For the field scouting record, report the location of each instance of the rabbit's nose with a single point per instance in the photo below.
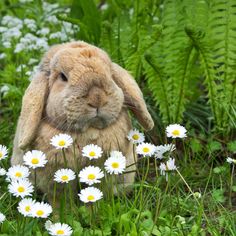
(97, 98)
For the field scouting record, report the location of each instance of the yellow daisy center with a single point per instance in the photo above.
(40, 212)
(60, 232)
(135, 136)
(115, 165)
(91, 176)
(27, 208)
(64, 177)
(21, 189)
(1, 155)
(90, 198)
(18, 174)
(61, 143)
(175, 132)
(35, 161)
(92, 154)
(146, 149)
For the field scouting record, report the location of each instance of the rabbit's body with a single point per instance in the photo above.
(113, 137)
(78, 91)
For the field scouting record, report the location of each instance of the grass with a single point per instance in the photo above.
(198, 199)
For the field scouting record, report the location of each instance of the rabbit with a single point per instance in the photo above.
(79, 91)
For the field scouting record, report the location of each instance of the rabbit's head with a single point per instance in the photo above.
(78, 87)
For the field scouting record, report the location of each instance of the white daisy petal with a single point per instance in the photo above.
(231, 160)
(90, 194)
(176, 131)
(21, 188)
(91, 175)
(116, 163)
(60, 229)
(3, 152)
(48, 224)
(41, 210)
(168, 166)
(2, 217)
(35, 159)
(17, 172)
(135, 136)
(61, 141)
(160, 150)
(25, 206)
(64, 175)
(146, 149)
(2, 172)
(92, 151)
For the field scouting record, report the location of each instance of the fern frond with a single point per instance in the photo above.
(222, 32)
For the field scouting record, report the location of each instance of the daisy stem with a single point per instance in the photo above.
(64, 156)
(23, 227)
(142, 205)
(54, 194)
(156, 170)
(191, 191)
(35, 183)
(135, 162)
(231, 184)
(65, 199)
(91, 215)
(144, 176)
(112, 195)
(71, 198)
(159, 205)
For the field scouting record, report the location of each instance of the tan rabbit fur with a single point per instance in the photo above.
(78, 91)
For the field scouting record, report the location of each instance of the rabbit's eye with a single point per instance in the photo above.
(63, 77)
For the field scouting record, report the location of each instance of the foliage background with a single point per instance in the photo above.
(183, 56)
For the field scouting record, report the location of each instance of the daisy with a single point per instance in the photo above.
(135, 136)
(231, 160)
(48, 224)
(90, 194)
(160, 150)
(146, 149)
(92, 151)
(17, 172)
(41, 210)
(35, 159)
(176, 131)
(2, 172)
(3, 152)
(2, 217)
(25, 206)
(91, 175)
(60, 229)
(20, 188)
(116, 163)
(61, 141)
(169, 166)
(64, 175)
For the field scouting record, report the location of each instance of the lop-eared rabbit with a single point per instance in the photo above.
(79, 91)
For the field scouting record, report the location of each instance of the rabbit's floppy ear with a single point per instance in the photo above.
(32, 109)
(133, 96)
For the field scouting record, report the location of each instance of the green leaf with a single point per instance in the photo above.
(214, 146)
(89, 20)
(196, 145)
(234, 188)
(218, 195)
(220, 169)
(232, 146)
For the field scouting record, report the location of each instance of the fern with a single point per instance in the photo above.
(222, 32)
(174, 55)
